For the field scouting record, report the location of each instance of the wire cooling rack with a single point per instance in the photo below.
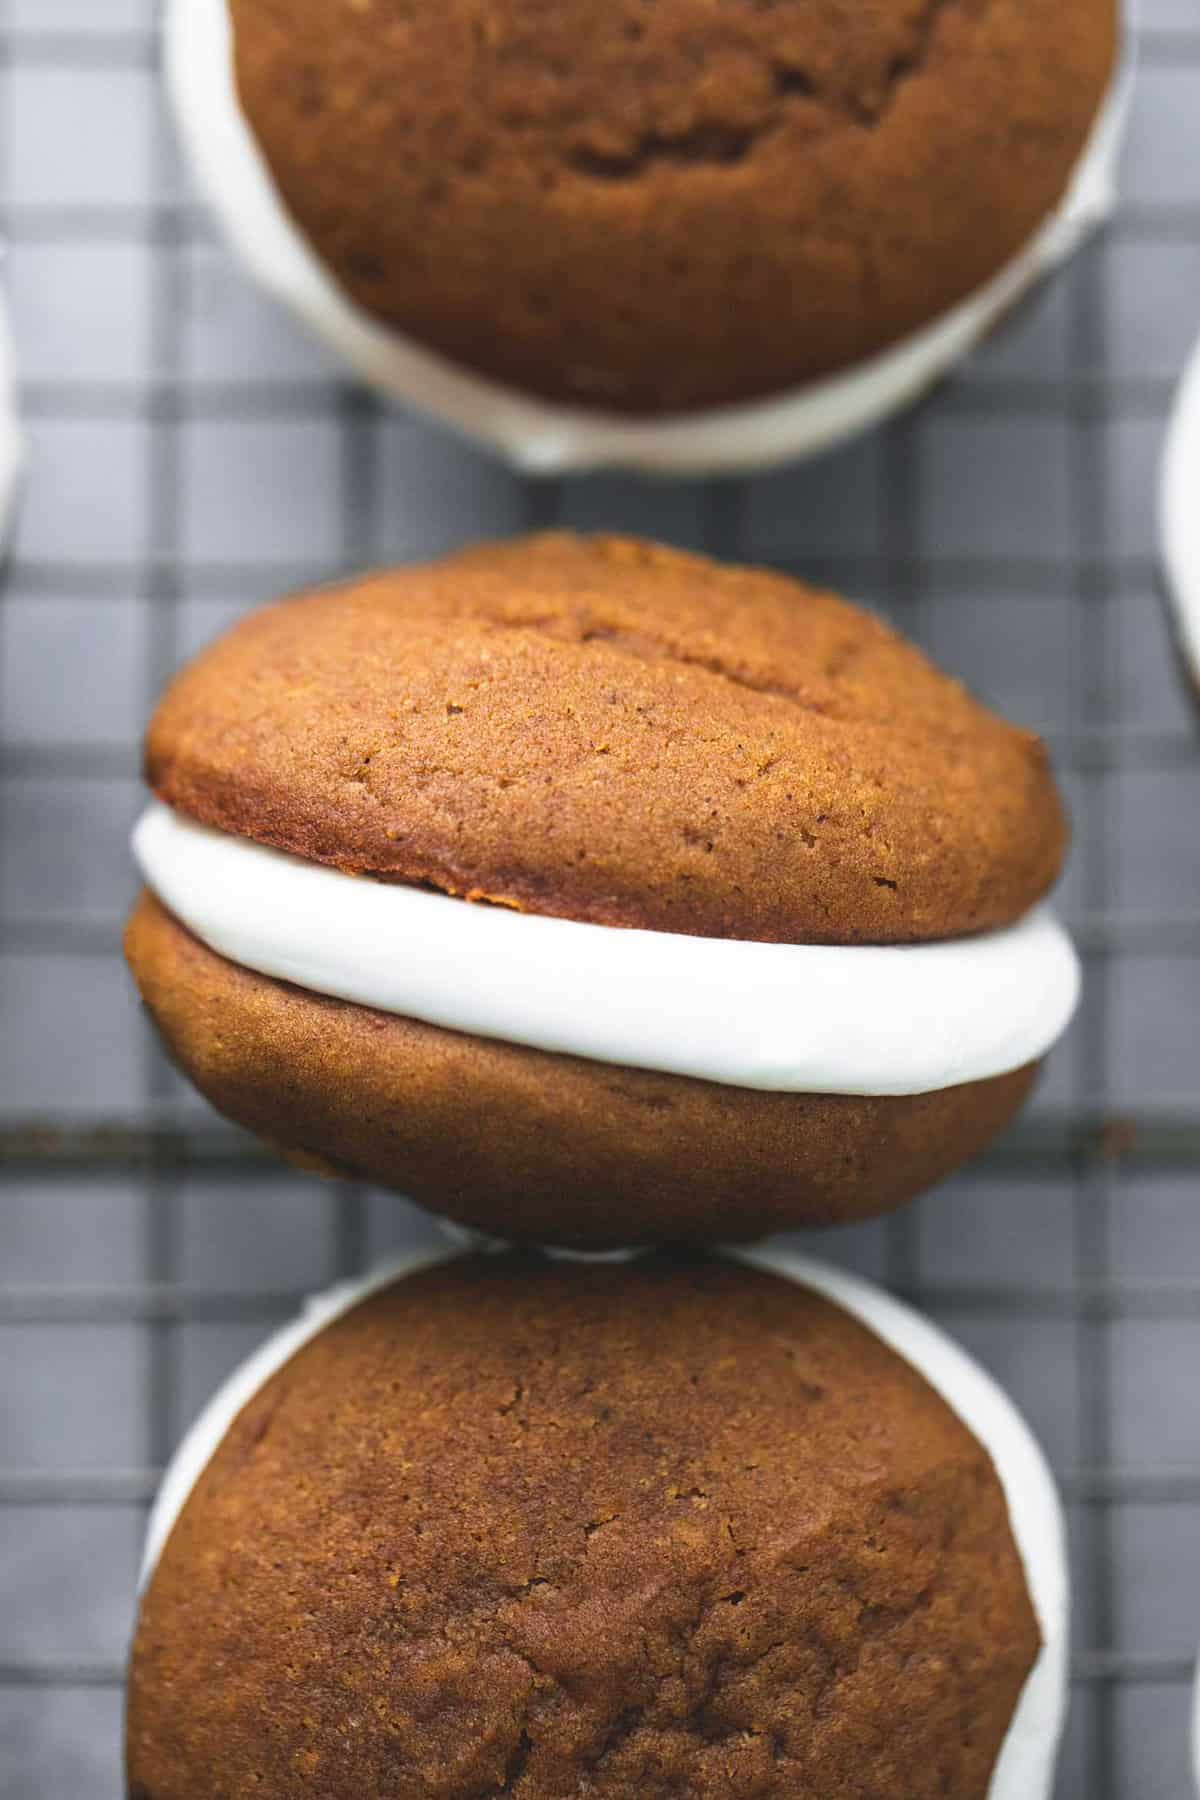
(191, 456)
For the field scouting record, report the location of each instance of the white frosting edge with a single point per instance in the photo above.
(1025, 1767)
(1179, 512)
(791, 1018)
(12, 451)
(540, 436)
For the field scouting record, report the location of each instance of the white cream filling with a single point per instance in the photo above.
(11, 447)
(1025, 1767)
(1179, 512)
(792, 1018)
(538, 435)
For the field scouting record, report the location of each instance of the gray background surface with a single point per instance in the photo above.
(192, 455)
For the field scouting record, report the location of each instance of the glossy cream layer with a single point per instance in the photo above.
(792, 1018)
(1025, 1768)
(538, 435)
(1179, 513)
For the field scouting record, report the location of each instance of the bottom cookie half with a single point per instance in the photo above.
(538, 1147)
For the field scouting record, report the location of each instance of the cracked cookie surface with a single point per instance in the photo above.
(656, 207)
(666, 1527)
(607, 730)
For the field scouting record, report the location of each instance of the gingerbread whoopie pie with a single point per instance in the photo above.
(593, 893)
(661, 1527)
(688, 234)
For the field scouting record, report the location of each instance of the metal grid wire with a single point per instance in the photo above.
(192, 456)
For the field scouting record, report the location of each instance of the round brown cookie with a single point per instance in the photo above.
(617, 732)
(657, 1529)
(658, 208)
(537, 1147)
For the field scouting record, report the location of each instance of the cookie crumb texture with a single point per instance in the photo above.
(656, 1529)
(612, 731)
(657, 205)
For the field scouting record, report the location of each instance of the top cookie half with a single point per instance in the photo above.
(610, 731)
(652, 208)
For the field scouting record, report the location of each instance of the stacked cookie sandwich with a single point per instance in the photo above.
(684, 235)
(599, 895)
